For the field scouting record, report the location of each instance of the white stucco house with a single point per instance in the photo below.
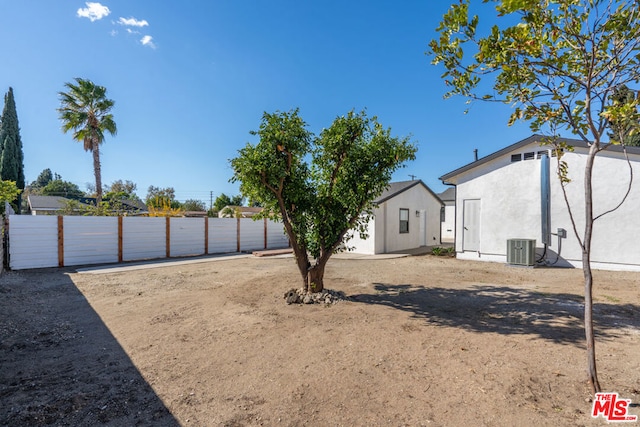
(407, 217)
(448, 215)
(512, 197)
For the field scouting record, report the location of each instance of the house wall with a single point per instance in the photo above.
(368, 245)
(509, 195)
(388, 237)
(447, 227)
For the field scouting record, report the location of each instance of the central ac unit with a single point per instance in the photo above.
(521, 251)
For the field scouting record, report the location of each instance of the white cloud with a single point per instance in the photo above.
(148, 41)
(132, 22)
(130, 31)
(93, 11)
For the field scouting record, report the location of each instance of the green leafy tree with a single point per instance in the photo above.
(9, 192)
(319, 203)
(45, 177)
(86, 110)
(231, 212)
(625, 130)
(126, 189)
(117, 192)
(557, 63)
(223, 200)
(194, 205)
(11, 155)
(58, 187)
(162, 198)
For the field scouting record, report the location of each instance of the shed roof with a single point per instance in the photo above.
(46, 202)
(396, 188)
(448, 195)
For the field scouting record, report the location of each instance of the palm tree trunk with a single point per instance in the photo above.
(97, 172)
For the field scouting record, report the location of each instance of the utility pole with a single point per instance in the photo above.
(413, 177)
(210, 200)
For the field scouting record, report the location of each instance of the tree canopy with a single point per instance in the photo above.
(161, 197)
(59, 187)
(561, 65)
(43, 179)
(11, 154)
(319, 202)
(194, 205)
(626, 129)
(223, 200)
(86, 110)
(9, 192)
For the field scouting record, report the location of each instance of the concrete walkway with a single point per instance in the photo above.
(158, 263)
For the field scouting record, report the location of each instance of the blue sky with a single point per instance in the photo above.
(191, 79)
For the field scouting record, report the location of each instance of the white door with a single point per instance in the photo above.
(471, 225)
(423, 228)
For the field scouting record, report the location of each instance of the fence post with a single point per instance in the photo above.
(60, 241)
(237, 234)
(5, 239)
(120, 238)
(265, 233)
(206, 235)
(168, 236)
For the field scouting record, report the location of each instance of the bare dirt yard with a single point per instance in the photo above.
(422, 341)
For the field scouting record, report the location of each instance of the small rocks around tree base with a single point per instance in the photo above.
(299, 296)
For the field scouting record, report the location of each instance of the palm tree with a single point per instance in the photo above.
(85, 109)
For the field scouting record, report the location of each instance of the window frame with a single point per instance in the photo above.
(404, 230)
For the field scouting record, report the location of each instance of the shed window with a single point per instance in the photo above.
(529, 156)
(516, 157)
(404, 220)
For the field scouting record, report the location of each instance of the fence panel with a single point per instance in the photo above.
(276, 237)
(143, 238)
(33, 241)
(251, 234)
(90, 240)
(223, 235)
(187, 236)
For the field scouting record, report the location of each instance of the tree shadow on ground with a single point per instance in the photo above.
(505, 310)
(60, 363)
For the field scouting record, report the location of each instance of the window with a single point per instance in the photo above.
(442, 215)
(529, 156)
(516, 157)
(404, 220)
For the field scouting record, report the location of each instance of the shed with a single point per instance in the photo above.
(407, 216)
(46, 205)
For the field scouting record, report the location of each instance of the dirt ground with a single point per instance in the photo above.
(423, 341)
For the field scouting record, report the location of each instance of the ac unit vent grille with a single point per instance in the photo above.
(521, 251)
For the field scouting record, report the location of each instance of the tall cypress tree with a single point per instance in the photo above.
(11, 157)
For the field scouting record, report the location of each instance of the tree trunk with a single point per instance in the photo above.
(97, 173)
(588, 275)
(588, 325)
(302, 260)
(316, 276)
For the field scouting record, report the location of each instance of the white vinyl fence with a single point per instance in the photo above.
(59, 241)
